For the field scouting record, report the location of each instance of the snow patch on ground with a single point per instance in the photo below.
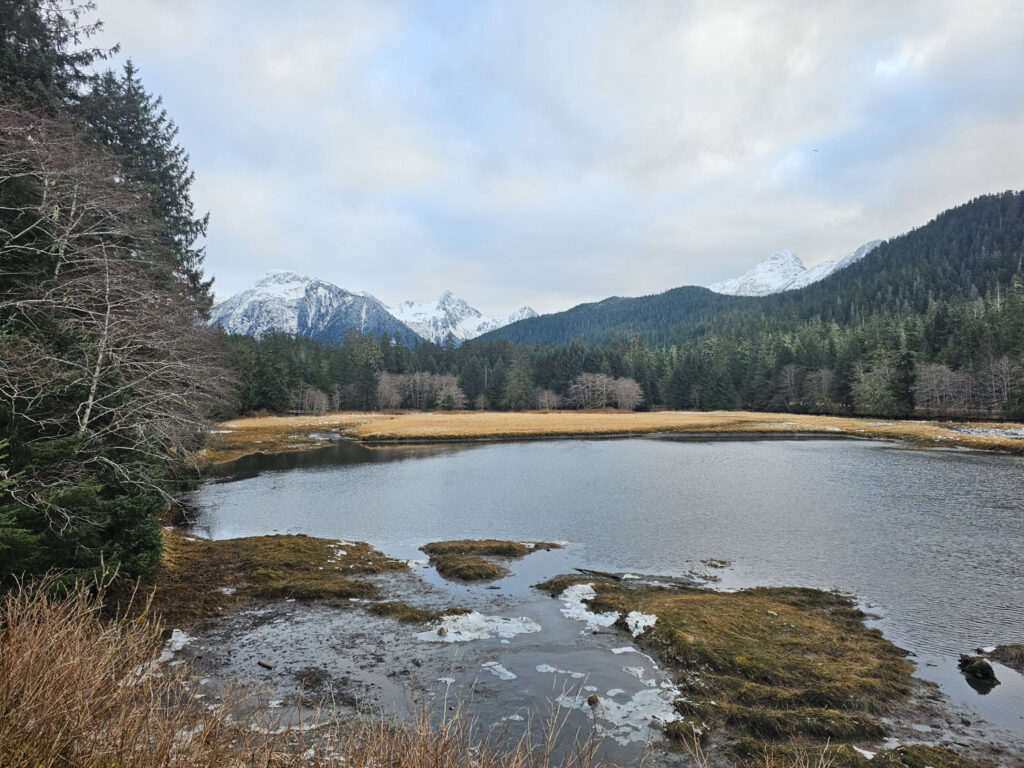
(639, 623)
(476, 626)
(574, 607)
(866, 753)
(1012, 433)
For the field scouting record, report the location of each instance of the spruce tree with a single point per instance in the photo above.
(134, 126)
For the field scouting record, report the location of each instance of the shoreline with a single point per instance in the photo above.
(908, 712)
(239, 437)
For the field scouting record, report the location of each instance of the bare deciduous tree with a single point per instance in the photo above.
(308, 399)
(548, 400)
(627, 394)
(103, 353)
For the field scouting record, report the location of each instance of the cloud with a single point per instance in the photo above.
(553, 153)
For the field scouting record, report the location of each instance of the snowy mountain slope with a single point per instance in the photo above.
(290, 303)
(783, 271)
(449, 314)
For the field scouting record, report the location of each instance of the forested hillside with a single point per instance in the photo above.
(106, 376)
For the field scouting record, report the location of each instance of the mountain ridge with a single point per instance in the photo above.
(452, 315)
(287, 302)
(784, 271)
(963, 252)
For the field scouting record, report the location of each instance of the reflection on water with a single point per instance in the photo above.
(931, 541)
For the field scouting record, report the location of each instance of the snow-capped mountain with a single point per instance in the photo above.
(296, 304)
(783, 271)
(449, 314)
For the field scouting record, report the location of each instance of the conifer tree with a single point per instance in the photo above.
(134, 126)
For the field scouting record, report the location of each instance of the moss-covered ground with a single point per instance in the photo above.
(772, 672)
(201, 578)
(464, 559)
(1012, 655)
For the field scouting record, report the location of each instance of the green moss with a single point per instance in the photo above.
(200, 578)
(467, 568)
(769, 664)
(462, 559)
(493, 547)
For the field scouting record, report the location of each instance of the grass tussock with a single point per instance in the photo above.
(408, 614)
(463, 559)
(493, 547)
(768, 663)
(467, 568)
(201, 578)
(80, 688)
(1012, 655)
(751, 753)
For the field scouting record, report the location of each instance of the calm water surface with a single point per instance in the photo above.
(930, 541)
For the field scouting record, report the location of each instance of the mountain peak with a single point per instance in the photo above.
(785, 256)
(452, 315)
(287, 302)
(784, 271)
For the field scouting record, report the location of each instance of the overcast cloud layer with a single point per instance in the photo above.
(556, 152)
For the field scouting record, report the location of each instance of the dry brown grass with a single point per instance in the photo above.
(79, 689)
(275, 434)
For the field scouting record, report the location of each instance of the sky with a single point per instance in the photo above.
(550, 153)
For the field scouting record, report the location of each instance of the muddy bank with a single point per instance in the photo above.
(512, 654)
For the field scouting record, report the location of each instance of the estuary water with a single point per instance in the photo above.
(931, 542)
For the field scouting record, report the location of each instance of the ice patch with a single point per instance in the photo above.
(275, 703)
(476, 626)
(227, 590)
(615, 692)
(575, 608)
(628, 721)
(639, 623)
(866, 753)
(988, 649)
(446, 680)
(547, 669)
(626, 649)
(513, 717)
(498, 671)
(178, 641)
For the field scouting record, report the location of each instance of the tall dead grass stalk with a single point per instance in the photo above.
(82, 689)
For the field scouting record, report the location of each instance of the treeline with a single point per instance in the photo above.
(955, 359)
(107, 377)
